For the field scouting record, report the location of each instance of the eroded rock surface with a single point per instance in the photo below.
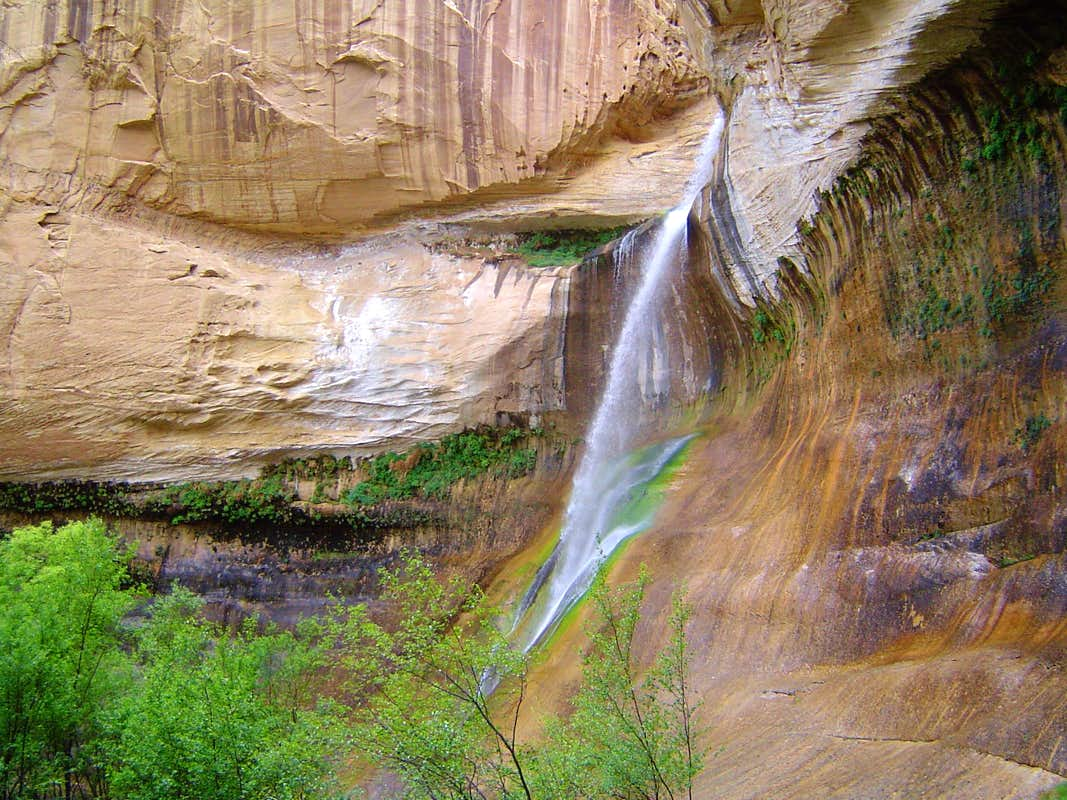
(140, 338)
(872, 529)
(171, 359)
(302, 118)
(872, 532)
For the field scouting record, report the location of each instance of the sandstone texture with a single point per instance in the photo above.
(804, 80)
(142, 339)
(174, 360)
(145, 337)
(872, 531)
(231, 234)
(302, 118)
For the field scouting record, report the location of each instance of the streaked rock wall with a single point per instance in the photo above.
(312, 117)
(138, 356)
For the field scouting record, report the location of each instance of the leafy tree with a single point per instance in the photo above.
(61, 600)
(219, 716)
(628, 738)
(181, 709)
(426, 712)
(445, 692)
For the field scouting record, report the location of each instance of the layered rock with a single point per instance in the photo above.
(140, 338)
(140, 345)
(872, 529)
(872, 532)
(304, 118)
(169, 359)
(804, 80)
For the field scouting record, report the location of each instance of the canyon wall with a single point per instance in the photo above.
(131, 355)
(322, 118)
(145, 337)
(869, 329)
(872, 531)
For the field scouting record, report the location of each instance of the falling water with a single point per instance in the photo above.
(606, 478)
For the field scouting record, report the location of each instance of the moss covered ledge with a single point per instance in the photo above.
(391, 490)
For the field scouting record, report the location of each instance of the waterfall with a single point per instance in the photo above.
(606, 477)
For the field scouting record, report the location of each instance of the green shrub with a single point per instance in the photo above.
(560, 248)
(765, 329)
(235, 502)
(221, 716)
(97, 498)
(428, 716)
(435, 467)
(1030, 433)
(61, 663)
(179, 708)
(1023, 295)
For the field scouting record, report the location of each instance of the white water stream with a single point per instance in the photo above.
(606, 478)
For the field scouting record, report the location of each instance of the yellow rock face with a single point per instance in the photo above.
(872, 529)
(141, 344)
(144, 337)
(876, 562)
(309, 118)
(171, 358)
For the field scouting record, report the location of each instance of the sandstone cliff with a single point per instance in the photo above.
(870, 325)
(142, 338)
(872, 531)
(305, 118)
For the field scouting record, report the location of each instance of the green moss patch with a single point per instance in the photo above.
(564, 247)
(430, 470)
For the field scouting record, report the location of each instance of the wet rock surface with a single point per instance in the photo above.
(871, 329)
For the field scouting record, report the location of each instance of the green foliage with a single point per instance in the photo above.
(932, 297)
(97, 498)
(937, 533)
(427, 714)
(1030, 433)
(322, 467)
(764, 329)
(179, 709)
(431, 469)
(60, 661)
(1015, 125)
(770, 331)
(430, 719)
(773, 331)
(559, 248)
(928, 298)
(220, 716)
(1012, 560)
(627, 737)
(235, 502)
(520, 462)
(1021, 296)
(855, 179)
(182, 711)
(934, 313)
(1056, 793)
(238, 502)
(1005, 133)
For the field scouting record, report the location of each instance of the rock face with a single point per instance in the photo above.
(804, 78)
(145, 345)
(141, 339)
(302, 118)
(873, 530)
(871, 322)
(171, 359)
